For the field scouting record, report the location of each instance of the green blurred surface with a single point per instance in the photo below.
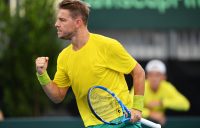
(42, 122)
(144, 19)
(182, 122)
(69, 122)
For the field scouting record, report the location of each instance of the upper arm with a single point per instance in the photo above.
(119, 59)
(61, 77)
(63, 91)
(173, 93)
(138, 70)
(138, 79)
(175, 100)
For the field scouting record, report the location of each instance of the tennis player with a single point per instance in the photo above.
(161, 94)
(89, 60)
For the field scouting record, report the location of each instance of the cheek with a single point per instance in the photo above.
(68, 27)
(155, 79)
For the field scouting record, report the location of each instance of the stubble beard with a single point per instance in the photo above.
(68, 36)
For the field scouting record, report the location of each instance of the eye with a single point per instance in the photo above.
(62, 19)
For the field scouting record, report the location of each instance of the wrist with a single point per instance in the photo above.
(40, 72)
(43, 78)
(138, 102)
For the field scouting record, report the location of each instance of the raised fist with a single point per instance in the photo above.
(41, 64)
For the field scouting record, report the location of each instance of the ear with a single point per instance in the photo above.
(79, 22)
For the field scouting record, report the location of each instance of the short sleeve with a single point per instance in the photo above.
(61, 78)
(119, 59)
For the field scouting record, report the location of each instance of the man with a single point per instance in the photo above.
(161, 94)
(89, 60)
(1, 99)
(1, 116)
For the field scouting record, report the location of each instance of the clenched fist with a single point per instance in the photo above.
(41, 64)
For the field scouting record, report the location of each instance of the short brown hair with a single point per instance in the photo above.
(77, 8)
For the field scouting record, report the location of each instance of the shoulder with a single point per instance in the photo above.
(167, 85)
(103, 40)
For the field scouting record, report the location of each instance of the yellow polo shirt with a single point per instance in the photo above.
(101, 61)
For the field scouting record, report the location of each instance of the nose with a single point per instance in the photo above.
(56, 24)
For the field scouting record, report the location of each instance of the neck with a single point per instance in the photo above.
(80, 39)
(154, 89)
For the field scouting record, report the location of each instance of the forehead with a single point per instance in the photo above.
(155, 73)
(63, 13)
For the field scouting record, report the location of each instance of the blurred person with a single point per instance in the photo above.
(1, 98)
(160, 94)
(1, 115)
(91, 59)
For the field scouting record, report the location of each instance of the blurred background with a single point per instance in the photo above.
(166, 29)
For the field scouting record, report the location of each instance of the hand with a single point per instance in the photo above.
(158, 116)
(41, 64)
(136, 115)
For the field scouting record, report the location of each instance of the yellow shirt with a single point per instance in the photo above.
(101, 61)
(170, 97)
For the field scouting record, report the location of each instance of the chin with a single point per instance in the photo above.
(64, 37)
(61, 36)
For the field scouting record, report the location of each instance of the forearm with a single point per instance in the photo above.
(175, 100)
(138, 79)
(55, 93)
(179, 103)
